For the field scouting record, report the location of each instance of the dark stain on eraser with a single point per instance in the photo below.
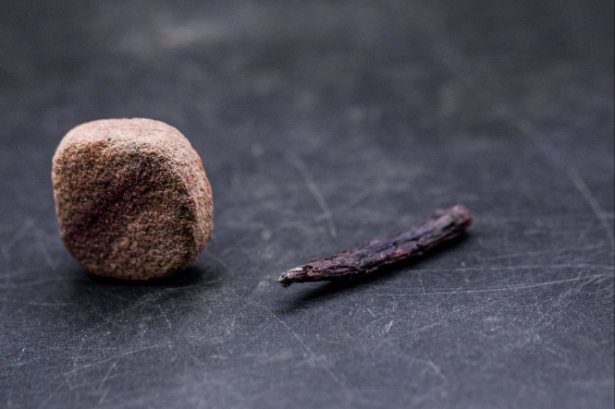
(132, 198)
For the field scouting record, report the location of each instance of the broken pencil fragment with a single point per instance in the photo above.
(443, 226)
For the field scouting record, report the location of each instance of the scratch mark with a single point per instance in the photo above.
(77, 353)
(230, 272)
(451, 294)
(104, 379)
(512, 287)
(104, 396)
(551, 154)
(33, 282)
(532, 253)
(43, 249)
(528, 267)
(387, 327)
(311, 353)
(164, 316)
(37, 304)
(420, 275)
(436, 369)
(370, 311)
(313, 188)
(101, 316)
(52, 394)
(581, 186)
(111, 358)
(346, 206)
(543, 217)
(28, 222)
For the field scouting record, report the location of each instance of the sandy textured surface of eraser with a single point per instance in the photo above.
(132, 198)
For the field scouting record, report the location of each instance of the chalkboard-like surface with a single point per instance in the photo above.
(322, 125)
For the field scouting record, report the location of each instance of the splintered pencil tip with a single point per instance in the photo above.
(284, 281)
(288, 277)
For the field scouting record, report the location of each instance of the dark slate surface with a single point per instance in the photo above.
(322, 125)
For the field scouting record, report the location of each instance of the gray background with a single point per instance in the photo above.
(322, 125)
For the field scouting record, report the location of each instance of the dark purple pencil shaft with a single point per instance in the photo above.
(443, 226)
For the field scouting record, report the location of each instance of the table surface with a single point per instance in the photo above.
(322, 125)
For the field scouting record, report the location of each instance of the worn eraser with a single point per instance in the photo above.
(132, 198)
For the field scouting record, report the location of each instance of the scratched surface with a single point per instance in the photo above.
(322, 125)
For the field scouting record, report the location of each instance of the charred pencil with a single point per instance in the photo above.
(443, 226)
